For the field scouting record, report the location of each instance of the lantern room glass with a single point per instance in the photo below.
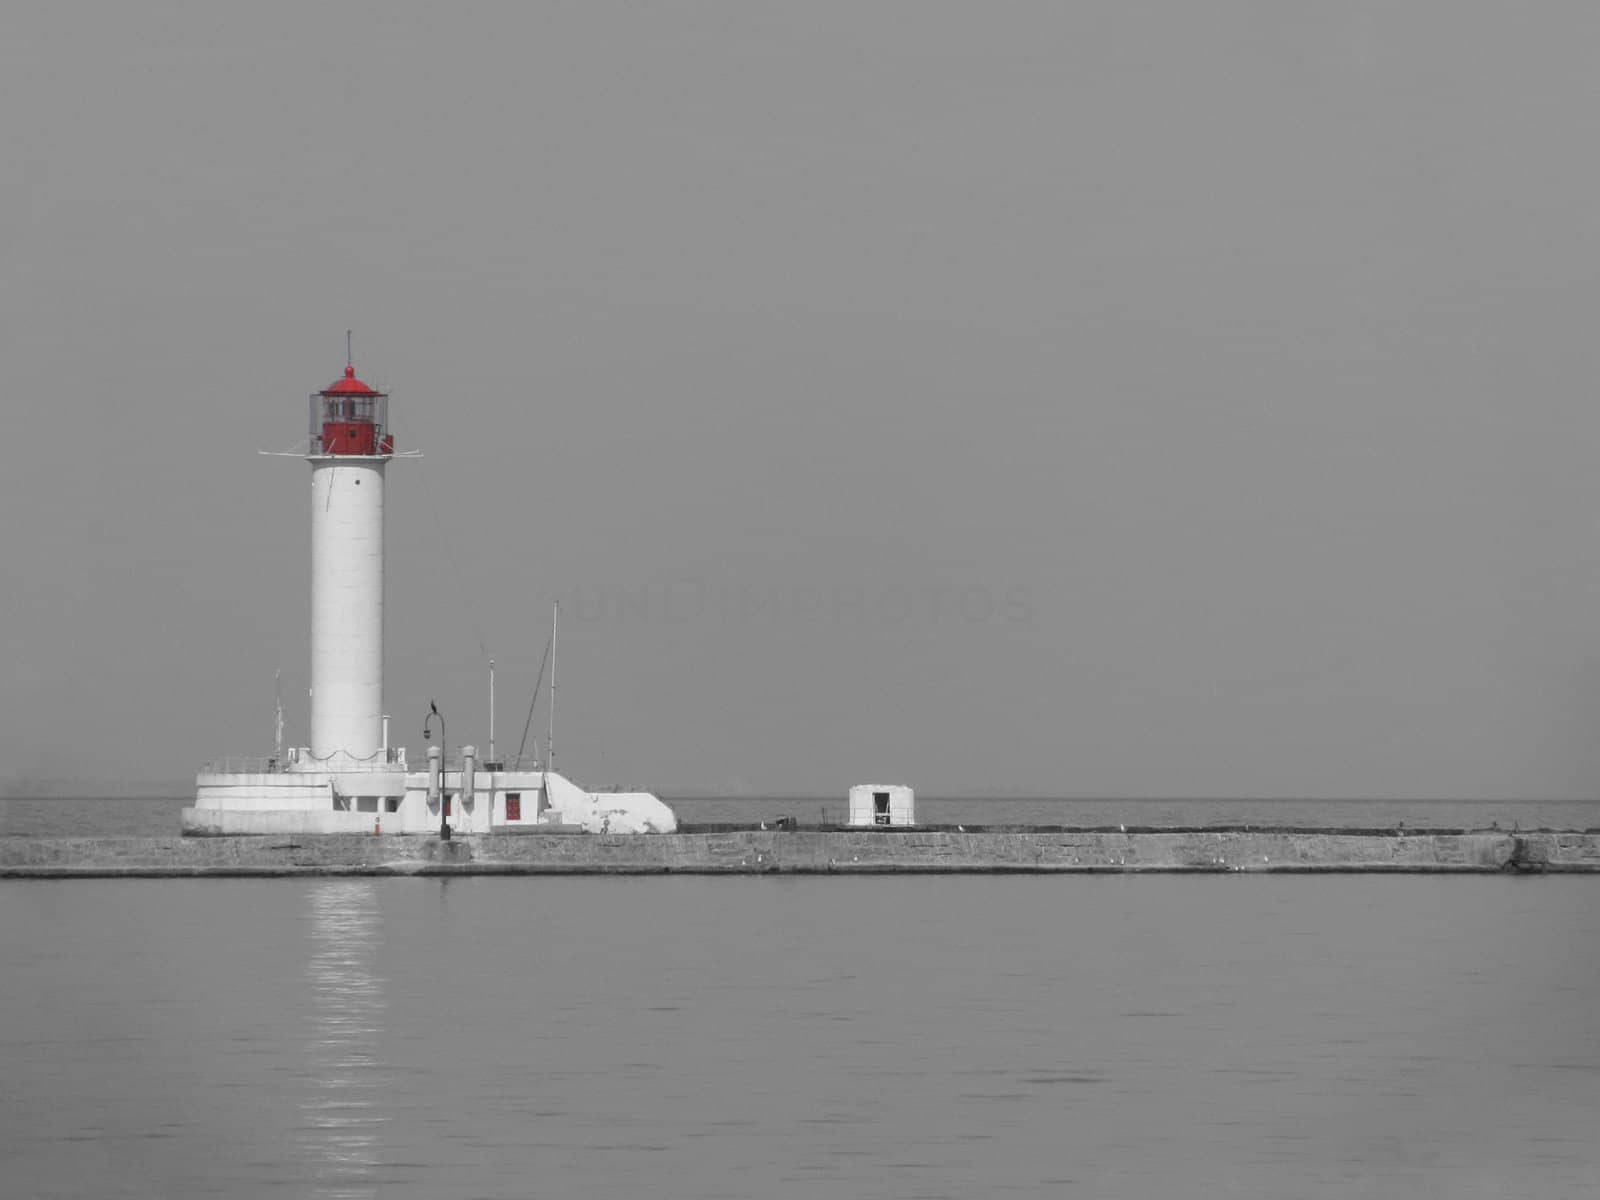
(371, 408)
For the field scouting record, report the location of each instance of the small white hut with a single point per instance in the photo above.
(882, 804)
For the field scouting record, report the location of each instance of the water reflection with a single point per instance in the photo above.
(342, 1125)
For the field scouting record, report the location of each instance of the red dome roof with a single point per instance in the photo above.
(349, 386)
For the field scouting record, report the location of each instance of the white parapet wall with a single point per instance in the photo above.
(297, 801)
(608, 812)
(882, 804)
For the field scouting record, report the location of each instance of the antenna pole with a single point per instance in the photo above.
(277, 698)
(550, 740)
(491, 710)
(349, 358)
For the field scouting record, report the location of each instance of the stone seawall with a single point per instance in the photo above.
(752, 852)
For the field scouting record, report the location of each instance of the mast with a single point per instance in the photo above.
(491, 710)
(550, 739)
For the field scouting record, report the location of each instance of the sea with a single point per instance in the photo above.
(796, 1037)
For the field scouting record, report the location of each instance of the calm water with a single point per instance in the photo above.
(886, 1037)
(92, 817)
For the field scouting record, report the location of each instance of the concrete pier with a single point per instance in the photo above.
(813, 852)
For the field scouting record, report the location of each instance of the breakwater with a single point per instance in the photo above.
(752, 852)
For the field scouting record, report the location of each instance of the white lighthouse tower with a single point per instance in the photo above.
(349, 448)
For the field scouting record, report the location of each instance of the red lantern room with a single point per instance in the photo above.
(348, 417)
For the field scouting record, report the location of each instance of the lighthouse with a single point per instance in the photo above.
(349, 779)
(349, 448)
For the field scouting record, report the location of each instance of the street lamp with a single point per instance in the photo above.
(433, 711)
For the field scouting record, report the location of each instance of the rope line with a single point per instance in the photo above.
(528, 724)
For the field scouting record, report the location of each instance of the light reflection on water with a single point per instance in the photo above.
(342, 1124)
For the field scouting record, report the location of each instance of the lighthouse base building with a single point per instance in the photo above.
(350, 779)
(239, 796)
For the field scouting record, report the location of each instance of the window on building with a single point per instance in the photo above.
(513, 806)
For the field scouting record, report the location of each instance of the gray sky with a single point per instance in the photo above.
(1058, 398)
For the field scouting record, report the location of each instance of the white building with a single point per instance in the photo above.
(882, 804)
(350, 779)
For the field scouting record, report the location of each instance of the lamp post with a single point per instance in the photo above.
(433, 711)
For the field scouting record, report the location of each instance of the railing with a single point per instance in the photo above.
(300, 760)
(243, 765)
(237, 764)
(378, 760)
(518, 762)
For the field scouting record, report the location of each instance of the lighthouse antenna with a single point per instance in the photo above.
(550, 738)
(349, 358)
